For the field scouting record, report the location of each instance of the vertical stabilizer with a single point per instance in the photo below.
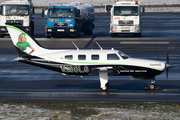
(25, 44)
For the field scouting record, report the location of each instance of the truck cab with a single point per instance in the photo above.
(125, 18)
(16, 11)
(69, 20)
(63, 20)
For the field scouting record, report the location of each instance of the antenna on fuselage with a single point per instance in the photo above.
(99, 45)
(75, 45)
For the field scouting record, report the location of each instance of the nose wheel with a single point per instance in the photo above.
(152, 85)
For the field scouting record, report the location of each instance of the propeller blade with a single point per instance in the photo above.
(167, 72)
(167, 67)
(167, 57)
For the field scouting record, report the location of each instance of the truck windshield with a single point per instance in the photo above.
(60, 13)
(125, 10)
(15, 10)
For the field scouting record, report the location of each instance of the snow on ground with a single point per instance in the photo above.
(23, 112)
(98, 2)
(132, 114)
(104, 2)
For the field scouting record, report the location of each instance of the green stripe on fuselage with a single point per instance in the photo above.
(98, 63)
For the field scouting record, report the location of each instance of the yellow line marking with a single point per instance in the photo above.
(144, 42)
(170, 89)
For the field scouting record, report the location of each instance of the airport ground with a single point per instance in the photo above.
(160, 35)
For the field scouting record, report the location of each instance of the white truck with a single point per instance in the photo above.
(16, 11)
(125, 18)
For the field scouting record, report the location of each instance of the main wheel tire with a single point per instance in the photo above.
(1, 36)
(106, 87)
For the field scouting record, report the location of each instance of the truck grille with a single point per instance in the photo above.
(61, 24)
(126, 22)
(9, 21)
(19, 21)
(15, 21)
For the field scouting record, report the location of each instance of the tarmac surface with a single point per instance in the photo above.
(160, 35)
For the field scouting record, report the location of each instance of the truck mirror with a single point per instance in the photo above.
(33, 10)
(108, 8)
(79, 13)
(0, 11)
(42, 15)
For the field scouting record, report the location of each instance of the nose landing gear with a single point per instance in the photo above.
(152, 85)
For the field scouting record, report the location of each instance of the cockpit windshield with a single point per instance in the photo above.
(60, 13)
(123, 55)
(21, 10)
(125, 11)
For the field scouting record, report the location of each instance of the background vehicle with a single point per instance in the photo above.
(69, 19)
(125, 18)
(16, 11)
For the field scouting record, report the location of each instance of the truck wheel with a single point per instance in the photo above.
(137, 35)
(1, 36)
(32, 28)
(113, 35)
(47, 36)
(90, 32)
(85, 32)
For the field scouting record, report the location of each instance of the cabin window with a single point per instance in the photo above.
(112, 57)
(81, 57)
(95, 57)
(68, 57)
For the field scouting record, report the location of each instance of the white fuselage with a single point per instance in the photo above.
(100, 58)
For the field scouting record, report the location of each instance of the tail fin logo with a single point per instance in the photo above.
(23, 44)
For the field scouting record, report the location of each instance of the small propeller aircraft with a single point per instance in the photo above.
(84, 62)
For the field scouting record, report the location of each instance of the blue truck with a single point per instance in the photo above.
(69, 20)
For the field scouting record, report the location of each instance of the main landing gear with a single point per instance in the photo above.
(103, 76)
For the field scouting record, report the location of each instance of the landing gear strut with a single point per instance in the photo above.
(103, 76)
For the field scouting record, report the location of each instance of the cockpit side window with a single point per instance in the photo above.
(95, 57)
(112, 57)
(68, 57)
(123, 55)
